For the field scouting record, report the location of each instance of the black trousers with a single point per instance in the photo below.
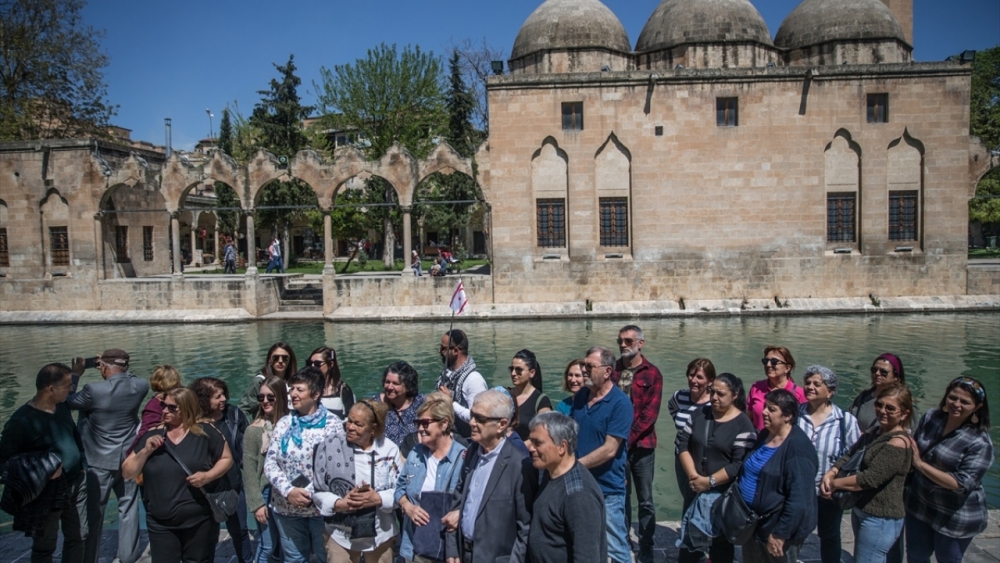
(183, 545)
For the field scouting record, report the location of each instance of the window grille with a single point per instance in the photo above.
(121, 243)
(614, 221)
(903, 215)
(551, 215)
(59, 243)
(147, 244)
(840, 217)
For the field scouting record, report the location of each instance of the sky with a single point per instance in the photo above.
(175, 59)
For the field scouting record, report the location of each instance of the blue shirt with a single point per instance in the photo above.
(751, 471)
(411, 480)
(610, 416)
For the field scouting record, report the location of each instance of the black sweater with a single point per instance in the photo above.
(727, 446)
(787, 487)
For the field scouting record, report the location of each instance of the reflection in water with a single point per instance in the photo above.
(934, 349)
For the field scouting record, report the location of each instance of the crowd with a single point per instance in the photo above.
(470, 473)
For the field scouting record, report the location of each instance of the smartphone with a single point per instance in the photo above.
(300, 482)
(88, 363)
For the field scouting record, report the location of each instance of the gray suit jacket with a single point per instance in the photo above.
(109, 417)
(501, 528)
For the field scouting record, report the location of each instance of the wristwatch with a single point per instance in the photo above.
(711, 481)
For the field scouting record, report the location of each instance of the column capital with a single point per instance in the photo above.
(406, 208)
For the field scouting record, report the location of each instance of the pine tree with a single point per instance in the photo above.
(225, 195)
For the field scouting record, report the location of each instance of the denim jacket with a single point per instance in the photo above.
(411, 480)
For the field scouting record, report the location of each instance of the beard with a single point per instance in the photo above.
(629, 355)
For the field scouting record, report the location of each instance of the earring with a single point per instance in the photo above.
(975, 418)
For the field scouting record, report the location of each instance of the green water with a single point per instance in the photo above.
(934, 349)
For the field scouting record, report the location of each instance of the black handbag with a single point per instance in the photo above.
(732, 518)
(25, 477)
(363, 522)
(222, 503)
(428, 540)
(846, 500)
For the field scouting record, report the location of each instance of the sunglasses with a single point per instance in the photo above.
(626, 341)
(482, 419)
(280, 358)
(170, 408)
(424, 422)
(773, 362)
(971, 384)
(889, 409)
(587, 368)
(315, 363)
(515, 369)
(880, 371)
(266, 398)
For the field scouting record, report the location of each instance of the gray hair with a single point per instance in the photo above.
(632, 328)
(497, 403)
(826, 374)
(560, 427)
(607, 356)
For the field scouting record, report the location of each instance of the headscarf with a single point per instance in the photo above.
(897, 364)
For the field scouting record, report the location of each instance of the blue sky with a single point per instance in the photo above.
(174, 59)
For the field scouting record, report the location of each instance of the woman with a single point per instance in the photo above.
(164, 378)
(571, 383)
(178, 517)
(877, 518)
(289, 467)
(833, 432)
(777, 483)
(415, 264)
(376, 468)
(945, 502)
(273, 401)
(778, 365)
(431, 466)
(712, 445)
(338, 397)
(279, 362)
(400, 394)
(886, 370)
(700, 375)
(213, 398)
(526, 377)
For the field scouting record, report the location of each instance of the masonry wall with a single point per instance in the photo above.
(405, 291)
(730, 212)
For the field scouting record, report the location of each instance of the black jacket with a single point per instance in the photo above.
(786, 486)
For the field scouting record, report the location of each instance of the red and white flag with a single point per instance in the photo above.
(458, 299)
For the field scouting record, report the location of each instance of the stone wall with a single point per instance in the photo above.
(404, 291)
(984, 279)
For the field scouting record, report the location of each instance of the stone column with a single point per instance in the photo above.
(99, 245)
(327, 240)
(175, 228)
(407, 240)
(215, 234)
(251, 246)
(194, 234)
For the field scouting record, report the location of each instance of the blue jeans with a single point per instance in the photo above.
(922, 541)
(300, 537)
(873, 536)
(267, 534)
(614, 513)
(640, 471)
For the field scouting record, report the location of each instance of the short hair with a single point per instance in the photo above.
(826, 374)
(735, 385)
(165, 378)
(293, 365)
(786, 402)
(902, 394)
(376, 412)
(783, 352)
(189, 410)
(632, 328)
(560, 427)
(459, 340)
(50, 375)
(528, 357)
(703, 364)
(310, 376)
(978, 391)
(497, 403)
(280, 390)
(408, 376)
(329, 356)
(565, 379)
(205, 388)
(607, 356)
(438, 405)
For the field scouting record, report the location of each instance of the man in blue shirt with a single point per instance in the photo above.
(604, 414)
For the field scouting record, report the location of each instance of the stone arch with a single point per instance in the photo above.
(263, 169)
(905, 187)
(842, 191)
(550, 195)
(126, 211)
(444, 159)
(613, 192)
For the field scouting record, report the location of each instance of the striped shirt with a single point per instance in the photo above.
(832, 438)
(680, 407)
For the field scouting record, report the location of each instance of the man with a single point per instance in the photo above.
(274, 252)
(567, 520)
(108, 423)
(497, 474)
(229, 252)
(643, 383)
(45, 424)
(604, 416)
(459, 380)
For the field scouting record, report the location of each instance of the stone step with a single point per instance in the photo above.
(286, 308)
(301, 301)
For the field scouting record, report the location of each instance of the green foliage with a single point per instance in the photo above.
(225, 141)
(387, 97)
(226, 196)
(462, 136)
(51, 69)
(246, 137)
(985, 207)
(985, 124)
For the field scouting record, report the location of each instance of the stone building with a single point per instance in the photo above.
(713, 162)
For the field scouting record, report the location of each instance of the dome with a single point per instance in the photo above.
(675, 22)
(568, 24)
(820, 21)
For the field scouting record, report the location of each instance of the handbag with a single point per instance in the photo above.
(222, 503)
(846, 500)
(732, 518)
(362, 522)
(24, 477)
(428, 540)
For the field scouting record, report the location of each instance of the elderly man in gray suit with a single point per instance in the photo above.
(493, 512)
(108, 423)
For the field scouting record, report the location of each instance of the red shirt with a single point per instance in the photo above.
(647, 394)
(755, 400)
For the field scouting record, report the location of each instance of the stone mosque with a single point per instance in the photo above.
(707, 162)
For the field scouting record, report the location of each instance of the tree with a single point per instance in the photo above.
(226, 196)
(51, 68)
(985, 124)
(387, 97)
(476, 63)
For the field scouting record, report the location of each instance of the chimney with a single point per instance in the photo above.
(166, 125)
(903, 12)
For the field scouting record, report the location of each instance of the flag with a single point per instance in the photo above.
(458, 299)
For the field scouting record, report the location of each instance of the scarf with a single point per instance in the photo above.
(454, 380)
(300, 423)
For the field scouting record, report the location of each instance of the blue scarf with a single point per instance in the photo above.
(300, 423)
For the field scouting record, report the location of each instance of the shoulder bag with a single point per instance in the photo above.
(732, 518)
(361, 523)
(846, 500)
(428, 540)
(222, 503)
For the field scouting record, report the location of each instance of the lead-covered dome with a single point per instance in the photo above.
(676, 22)
(570, 24)
(815, 22)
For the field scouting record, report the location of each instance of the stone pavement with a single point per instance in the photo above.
(985, 548)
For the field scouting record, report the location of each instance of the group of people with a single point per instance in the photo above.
(469, 473)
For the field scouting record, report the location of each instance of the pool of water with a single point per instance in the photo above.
(934, 348)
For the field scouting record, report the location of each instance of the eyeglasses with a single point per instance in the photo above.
(266, 398)
(626, 341)
(482, 419)
(315, 363)
(170, 408)
(424, 422)
(880, 371)
(773, 362)
(587, 368)
(515, 369)
(972, 384)
(279, 358)
(889, 409)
